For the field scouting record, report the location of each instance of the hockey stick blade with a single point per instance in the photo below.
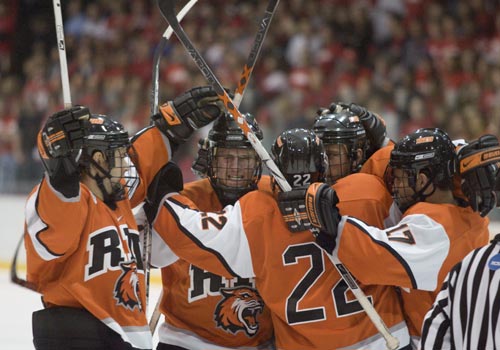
(254, 53)
(155, 316)
(168, 11)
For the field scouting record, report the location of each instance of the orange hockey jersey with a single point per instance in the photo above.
(310, 304)
(82, 254)
(198, 304)
(430, 238)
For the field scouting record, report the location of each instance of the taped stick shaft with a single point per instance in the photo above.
(255, 51)
(61, 46)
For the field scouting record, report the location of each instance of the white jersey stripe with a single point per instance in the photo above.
(35, 225)
(228, 242)
(139, 337)
(423, 258)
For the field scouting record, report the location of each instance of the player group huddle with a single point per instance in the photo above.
(244, 263)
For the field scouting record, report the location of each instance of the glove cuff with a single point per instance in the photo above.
(479, 158)
(168, 121)
(311, 196)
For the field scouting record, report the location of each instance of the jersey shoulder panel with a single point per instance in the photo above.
(258, 203)
(457, 220)
(363, 186)
(377, 163)
(365, 197)
(265, 183)
(150, 151)
(202, 193)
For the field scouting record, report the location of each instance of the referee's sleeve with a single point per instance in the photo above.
(436, 329)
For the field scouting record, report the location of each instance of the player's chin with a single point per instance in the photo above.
(233, 184)
(236, 182)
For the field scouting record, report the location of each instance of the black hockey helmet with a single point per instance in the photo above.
(107, 136)
(226, 134)
(301, 157)
(104, 135)
(336, 128)
(427, 150)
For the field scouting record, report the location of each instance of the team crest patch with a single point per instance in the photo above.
(127, 287)
(494, 263)
(239, 310)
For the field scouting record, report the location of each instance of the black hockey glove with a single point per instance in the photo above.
(337, 107)
(192, 110)
(168, 179)
(478, 166)
(374, 125)
(322, 211)
(200, 163)
(293, 209)
(61, 140)
(60, 144)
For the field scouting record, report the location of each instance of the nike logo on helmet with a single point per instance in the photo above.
(466, 164)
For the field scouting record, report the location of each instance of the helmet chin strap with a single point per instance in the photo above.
(228, 196)
(117, 191)
(419, 196)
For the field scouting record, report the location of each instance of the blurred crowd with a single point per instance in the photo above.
(418, 63)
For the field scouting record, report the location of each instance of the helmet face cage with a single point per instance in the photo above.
(401, 182)
(428, 151)
(300, 156)
(345, 143)
(110, 138)
(234, 168)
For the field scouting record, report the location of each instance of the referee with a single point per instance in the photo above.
(466, 312)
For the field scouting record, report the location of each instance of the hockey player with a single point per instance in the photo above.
(345, 142)
(81, 238)
(311, 305)
(351, 135)
(420, 176)
(193, 299)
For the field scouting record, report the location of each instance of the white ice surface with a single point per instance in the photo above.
(17, 304)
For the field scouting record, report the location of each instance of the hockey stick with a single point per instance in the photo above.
(146, 247)
(61, 45)
(255, 51)
(167, 10)
(240, 90)
(158, 53)
(14, 277)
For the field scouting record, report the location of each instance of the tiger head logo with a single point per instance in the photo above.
(127, 287)
(239, 310)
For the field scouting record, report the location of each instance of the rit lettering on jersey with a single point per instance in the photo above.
(107, 253)
(239, 306)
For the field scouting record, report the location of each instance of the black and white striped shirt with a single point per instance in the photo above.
(466, 312)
